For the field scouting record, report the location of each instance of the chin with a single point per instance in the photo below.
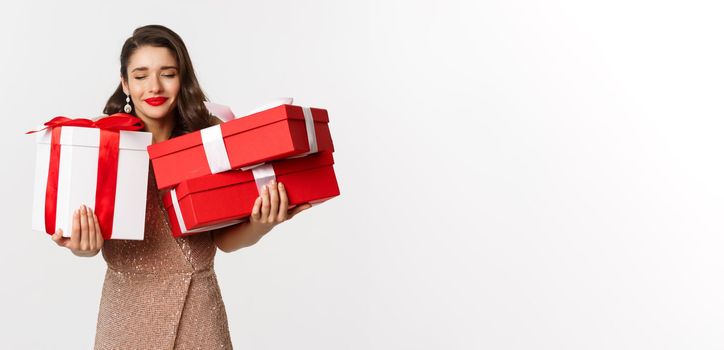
(156, 113)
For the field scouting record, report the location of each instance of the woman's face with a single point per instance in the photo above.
(153, 82)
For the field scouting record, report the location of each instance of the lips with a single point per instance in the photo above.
(156, 101)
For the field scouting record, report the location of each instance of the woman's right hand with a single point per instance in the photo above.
(86, 238)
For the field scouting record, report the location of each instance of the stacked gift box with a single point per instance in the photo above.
(214, 175)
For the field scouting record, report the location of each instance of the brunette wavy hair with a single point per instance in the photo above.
(191, 113)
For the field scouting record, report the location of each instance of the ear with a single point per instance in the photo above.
(125, 86)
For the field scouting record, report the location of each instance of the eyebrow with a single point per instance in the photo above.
(146, 68)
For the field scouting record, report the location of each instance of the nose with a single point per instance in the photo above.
(154, 85)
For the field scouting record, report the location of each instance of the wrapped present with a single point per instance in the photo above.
(279, 132)
(102, 164)
(223, 199)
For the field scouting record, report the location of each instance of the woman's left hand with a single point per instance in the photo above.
(272, 207)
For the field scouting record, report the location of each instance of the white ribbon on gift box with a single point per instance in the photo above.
(215, 149)
(213, 140)
(311, 132)
(263, 175)
(220, 111)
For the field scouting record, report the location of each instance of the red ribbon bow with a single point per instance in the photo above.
(115, 122)
(107, 165)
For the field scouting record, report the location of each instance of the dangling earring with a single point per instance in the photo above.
(127, 108)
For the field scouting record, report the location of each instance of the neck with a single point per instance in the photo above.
(161, 129)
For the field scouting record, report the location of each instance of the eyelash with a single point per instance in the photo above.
(165, 75)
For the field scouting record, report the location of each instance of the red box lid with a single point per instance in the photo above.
(231, 177)
(236, 126)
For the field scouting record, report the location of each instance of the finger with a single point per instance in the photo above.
(256, 211)
(58, 238)
(84, 228)
(99, 234)
(265, 203)
(91, 230)
(298, 209)
(283, 203)
(273, 201)
(75, 230)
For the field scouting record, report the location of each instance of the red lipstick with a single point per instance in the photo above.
(156, 101)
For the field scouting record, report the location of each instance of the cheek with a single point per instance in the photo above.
(174, 88)
(136, 89)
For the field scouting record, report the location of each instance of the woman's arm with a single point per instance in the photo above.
(270, 209)
(238, 236)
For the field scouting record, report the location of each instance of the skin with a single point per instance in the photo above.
(153, 72)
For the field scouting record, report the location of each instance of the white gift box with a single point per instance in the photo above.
(77, 179)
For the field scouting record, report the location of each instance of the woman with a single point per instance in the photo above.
(162, 292)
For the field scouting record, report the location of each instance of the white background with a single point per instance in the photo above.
(514, 174)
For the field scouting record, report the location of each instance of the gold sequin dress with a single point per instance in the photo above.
(162, 292)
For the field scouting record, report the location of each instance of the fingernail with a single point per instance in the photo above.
(281, 185)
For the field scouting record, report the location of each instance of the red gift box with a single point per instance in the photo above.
(275, 133)
(227, 198)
